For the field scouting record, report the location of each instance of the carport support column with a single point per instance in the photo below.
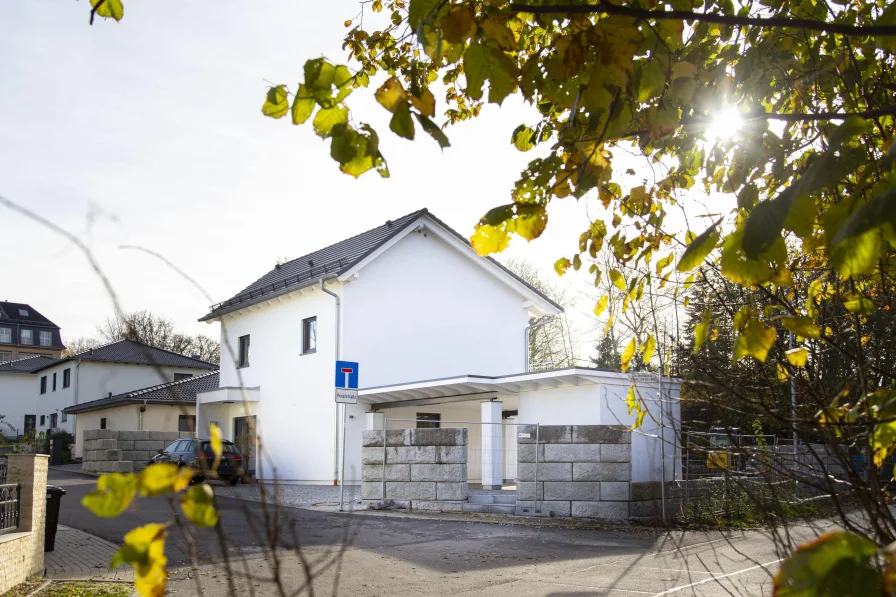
(492, 445)
(374, 420)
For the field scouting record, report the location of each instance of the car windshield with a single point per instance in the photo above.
(226, 448)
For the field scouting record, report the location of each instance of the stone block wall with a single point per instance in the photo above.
(424, 465)
(118, 451)
(22, 551)
(584, 471)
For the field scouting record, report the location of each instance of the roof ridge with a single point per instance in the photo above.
(138, 343)
(30, 356)
(167, 384)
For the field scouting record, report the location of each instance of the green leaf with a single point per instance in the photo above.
(701, 332)
(523, 138)
(402, 124)
(114, 493)
(617, 279)
(418, 10)
(110, 9)
(653, 80)
(303, 105)
(801, 326)
(754, 340)
(860, 305)
(327, 118)
(838, 563)
(276, 103)
(433, 130)
(144, 549)
(198, 505)
(458, 25)
(699, 248)
(484, 63)
(738, 267)
(628, 353)
(357, 152)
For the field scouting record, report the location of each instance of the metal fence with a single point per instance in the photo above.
(10, 495)
(3, 465)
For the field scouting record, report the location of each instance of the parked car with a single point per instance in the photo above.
(197, 453)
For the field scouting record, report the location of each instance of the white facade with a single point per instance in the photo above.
(423, 305)
(16, 401)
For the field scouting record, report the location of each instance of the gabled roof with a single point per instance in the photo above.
(174, 392)
(23, 313)
(26, 364)
(338, 259)
(135, 353)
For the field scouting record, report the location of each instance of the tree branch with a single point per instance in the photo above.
(688, 15)
(800, 116)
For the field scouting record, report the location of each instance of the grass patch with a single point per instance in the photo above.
(23, 589)
(88, 589)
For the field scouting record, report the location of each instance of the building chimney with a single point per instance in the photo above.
(110, 394)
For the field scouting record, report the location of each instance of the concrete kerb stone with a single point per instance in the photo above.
(606, 510)
(400, 455)
(547, 471)
(526, 453)
(133, 435)
(394, 437)
(524, 508)
(451, 454)
(150, 445)
(411, 491)
(527, 491)
(561, 490)
(394, 472)
(601, 471)
(452, 491)
(616, 453)
(572, 453)
(443, 436)
(615, 491)
(451, 473)
(601, 434)
(548, 434)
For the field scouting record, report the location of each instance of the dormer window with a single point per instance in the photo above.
(27, 336)
(46, 338)
(23, 312)
(6, 335)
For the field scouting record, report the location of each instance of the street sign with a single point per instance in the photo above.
(346, 396)
(347, 375)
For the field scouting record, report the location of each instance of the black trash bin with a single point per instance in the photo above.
(54, 500)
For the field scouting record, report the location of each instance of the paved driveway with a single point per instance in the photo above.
(375, 555)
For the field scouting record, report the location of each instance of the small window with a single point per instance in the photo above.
(244, 351)
(54, 421)
(27, 336)
(102, 422)
(309, 335)
(66, 377)
(6, 335)
(186, 423)
(46, 339)
(43, 386)
(182, 376)
(428, 420)
(64, 416)
(23, 312)
(43, 420)
(54, 382)
(5, 357)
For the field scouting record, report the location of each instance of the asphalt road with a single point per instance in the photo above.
(397, 555)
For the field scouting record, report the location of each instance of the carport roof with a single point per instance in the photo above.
(471, 387)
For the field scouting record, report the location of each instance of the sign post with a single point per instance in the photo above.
(346, 393)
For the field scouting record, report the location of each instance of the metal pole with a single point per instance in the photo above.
(384, 457)
(537, 429)
(342, 464)
(796, 487)
(662, 442)
(686, 474)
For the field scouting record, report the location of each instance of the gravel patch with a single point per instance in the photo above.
(311, 497)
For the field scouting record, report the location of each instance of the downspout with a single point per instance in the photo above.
(140, 412)
(338, 355)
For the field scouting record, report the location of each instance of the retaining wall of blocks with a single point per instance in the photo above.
(584, 471)
(118, 451)
(421, 465)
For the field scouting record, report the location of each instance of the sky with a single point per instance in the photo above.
(149, 133)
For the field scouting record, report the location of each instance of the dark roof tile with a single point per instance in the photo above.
(177, 392)
(27, 364)
(128, 351)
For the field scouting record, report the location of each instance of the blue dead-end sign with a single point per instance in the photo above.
(347, 375)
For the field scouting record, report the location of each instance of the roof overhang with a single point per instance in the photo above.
(481, 387)
(228, 395)
(114, 403)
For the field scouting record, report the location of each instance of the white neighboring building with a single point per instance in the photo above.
(104, 371)
(17, 394)
(409, 300)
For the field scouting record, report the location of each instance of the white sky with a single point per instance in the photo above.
(149, 132)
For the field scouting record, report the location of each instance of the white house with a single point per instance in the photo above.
(410, 301)
(17, 395)
(100, 372)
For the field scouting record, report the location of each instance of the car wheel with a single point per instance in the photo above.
(234, 480)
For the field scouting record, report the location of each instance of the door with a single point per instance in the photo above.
(244, 438)
(30, 424)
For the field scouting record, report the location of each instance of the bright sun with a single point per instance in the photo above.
(725, 125)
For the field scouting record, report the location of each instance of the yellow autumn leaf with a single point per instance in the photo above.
(164, 477)
(801, 326)
(198, 505)
(783, 373)
(609, 325)
(617, 279)
(217, 445)
(628, 353)
(649, 348)
(114, 493)
(797, 356)
(601, 305)
(489, 239)
(700, 332)
(144, 549)
(561, 265)
(755, 340)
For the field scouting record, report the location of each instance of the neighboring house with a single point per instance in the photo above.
(165, 407)
(107, 370)
(17, 394)
(26, 333)
(409, 300)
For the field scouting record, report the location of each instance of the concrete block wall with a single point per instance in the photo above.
(22, 551)
(584, 471)
(421, 465)
(119, 451)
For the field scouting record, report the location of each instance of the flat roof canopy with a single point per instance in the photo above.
(482, 387)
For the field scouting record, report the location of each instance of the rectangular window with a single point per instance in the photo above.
(5, 357)
(429, 420)
(182, 376)
(46, 339)
(54, 382)
(54, 421)
(23, 312)
(64, 416)
(30, 423)
(43, 385)
(27, 336)
(43, 419)
(66, 377)
(6, 335)
(244, 351)
(309, 335)
(102, 422)
(186, 423)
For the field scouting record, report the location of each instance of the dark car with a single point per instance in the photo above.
(197, 453)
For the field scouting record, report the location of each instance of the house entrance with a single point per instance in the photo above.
(244, 438)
